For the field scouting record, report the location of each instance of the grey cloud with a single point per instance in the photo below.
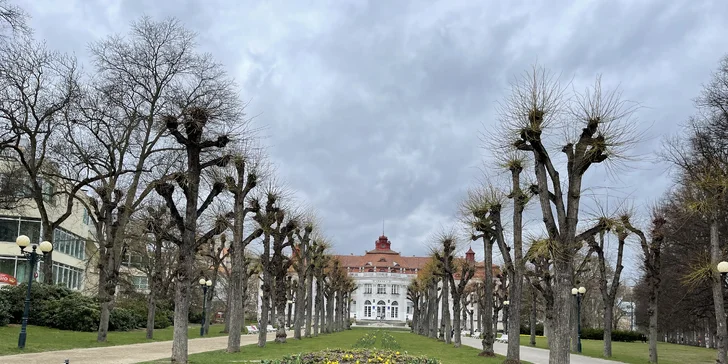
(373, 112)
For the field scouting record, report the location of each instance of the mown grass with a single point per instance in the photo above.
(638, 353)
(410, 343)
(46, 339)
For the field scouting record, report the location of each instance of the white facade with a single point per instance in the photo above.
(381, 296)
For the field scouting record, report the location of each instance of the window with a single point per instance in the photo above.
(8, 230)
(68, 243)
(381, 288)
(68, 276)
(368, 288)
(141, 283)
(394, 310)
(49, 189)
(367, 308)
(395, 289)
(31, 229)
(86, 218)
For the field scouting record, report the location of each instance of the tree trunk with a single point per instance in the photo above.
(319, 307)
(104, 316)
(432, 311)
(151, 311)
(563, 301)
(265, 309)
(309, 303)
(488, 332)
(514, 317)
(300, 304)
(652, 312)
(182, 303)
(329, 327)
(456, 321)
(608, 317)
(48, 257)
(445, 325)
(718, 302)
(281, 302)
(532, 318)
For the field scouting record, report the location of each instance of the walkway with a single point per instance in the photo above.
(126, 354)
(535, 355)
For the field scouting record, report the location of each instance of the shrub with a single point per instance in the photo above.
(40, 295)
(5, 315)
(123, 319)
(71, 313)
(353, 356)
(526, 330)
(617, 335)
(138, 306)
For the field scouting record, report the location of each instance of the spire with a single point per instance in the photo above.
(470, 255)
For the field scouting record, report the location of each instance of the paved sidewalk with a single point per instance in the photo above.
(535, 355)
(126, 354)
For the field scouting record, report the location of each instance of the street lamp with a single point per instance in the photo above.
(578, 293)
(204, 284)
(505, 316)
(33, 258)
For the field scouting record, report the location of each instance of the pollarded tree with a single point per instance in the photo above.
(151, 72)
(463, 271)
(415, 292)
(651, 251)
(202, 150)
(600, 123)
(301, 264)
(444, 253)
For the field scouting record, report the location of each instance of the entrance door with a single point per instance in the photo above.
(381, 310)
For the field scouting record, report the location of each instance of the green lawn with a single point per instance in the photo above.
(638, 353)
(46, 339)
(411, 343)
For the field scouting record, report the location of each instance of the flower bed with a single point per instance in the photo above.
(338, 356)
(369, 340)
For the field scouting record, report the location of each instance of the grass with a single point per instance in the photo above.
(47, 339)
(411, 343)
(638, 353)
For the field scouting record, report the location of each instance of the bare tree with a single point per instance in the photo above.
(444, 253)
(197, 124)
(245, 178)
(652, 265)
(463, 271)
(40, 89)
(302, 264)
(602, 131)
(13, 17)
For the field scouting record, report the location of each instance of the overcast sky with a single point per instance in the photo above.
(374, 109)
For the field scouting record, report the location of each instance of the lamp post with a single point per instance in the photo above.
(205, 284)
(33, 258)
(505, 316)
(578, 293)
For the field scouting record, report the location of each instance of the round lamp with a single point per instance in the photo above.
(22, 241)
(208, 283)
(574, 291)
(46, 246)
(582, 290)
(722, 266)
(506, 302)
(202, 281)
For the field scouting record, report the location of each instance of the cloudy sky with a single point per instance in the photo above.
(374, 110)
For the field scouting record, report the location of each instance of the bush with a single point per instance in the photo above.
(526, 330)
(123, 319)
(40, 295)
(617, 335)
(352, 356)
(5, 315)
(138, 306)
(71, 313)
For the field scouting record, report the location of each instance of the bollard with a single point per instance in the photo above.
(66, 361)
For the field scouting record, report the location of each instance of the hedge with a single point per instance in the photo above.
(526, 330)
(617, 335)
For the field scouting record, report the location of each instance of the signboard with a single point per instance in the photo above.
(8, 279)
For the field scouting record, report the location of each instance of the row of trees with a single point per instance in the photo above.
(157, 137)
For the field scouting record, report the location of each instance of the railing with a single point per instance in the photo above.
(380, 274)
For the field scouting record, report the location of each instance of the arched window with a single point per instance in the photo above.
(367, 308)
(394, 309)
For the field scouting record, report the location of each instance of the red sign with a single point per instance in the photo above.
(8, 279)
